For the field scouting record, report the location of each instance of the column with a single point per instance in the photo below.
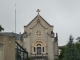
(46, 41)
(53, 48)
(30, 41)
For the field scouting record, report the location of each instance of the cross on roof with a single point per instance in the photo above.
(38, 11)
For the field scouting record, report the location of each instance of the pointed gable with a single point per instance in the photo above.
(34, 22)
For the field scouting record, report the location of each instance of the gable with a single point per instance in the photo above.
(43, 22)
(37, 18)
(38, 26)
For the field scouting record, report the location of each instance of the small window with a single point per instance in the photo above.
(34, 49)
(43, 49)
(38, 44)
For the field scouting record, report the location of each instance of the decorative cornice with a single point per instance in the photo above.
(40, 24)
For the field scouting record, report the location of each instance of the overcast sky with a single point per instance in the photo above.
(63, 14)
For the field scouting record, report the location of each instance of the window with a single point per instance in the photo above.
(38, 47)
(43, 49)
(34, 49)
(38, 50)
(21, 53)
(38, 44)
(38, 33)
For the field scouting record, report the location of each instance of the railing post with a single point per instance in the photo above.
(27, 55)
(42, 56)
(35, 56)
(47, 56)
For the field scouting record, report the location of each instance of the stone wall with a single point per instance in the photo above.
(8, 47)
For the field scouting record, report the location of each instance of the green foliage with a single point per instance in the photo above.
(57, 59)
(71, 52)
(1, 28)
(77, 45)
(61, 56)
(29, 58)
(78, 38)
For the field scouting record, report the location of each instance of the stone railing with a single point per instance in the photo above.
(36, 57)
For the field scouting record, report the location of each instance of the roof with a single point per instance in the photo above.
(18, 36)
(30, 22)
(42, 18)
(60, 47)
(7, 33)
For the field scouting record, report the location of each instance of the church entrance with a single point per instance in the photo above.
(39, 50)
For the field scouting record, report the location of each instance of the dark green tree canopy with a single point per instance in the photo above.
(1, 28)
(71, 52)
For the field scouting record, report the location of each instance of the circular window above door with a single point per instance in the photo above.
(38, 33)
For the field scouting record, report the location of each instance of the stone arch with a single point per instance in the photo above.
(38, 44)
(39, 41)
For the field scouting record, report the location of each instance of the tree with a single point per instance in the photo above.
(61, 56)
(1, 28)
(78, 38)
(77, 46)
(71, 52)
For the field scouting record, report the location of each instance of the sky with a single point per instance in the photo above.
(64, 15)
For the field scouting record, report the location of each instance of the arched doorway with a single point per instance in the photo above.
(38, 47)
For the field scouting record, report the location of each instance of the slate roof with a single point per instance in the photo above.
(18, 36)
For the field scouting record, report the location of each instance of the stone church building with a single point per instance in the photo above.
(38, 39)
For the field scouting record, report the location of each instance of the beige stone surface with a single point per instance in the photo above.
(9, 47)
(1, 52)
(45, 29)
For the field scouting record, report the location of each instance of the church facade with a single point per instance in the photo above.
(40, 41)
(37, 42)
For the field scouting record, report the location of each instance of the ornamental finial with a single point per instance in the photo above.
(38, 12)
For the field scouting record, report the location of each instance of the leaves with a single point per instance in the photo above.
(1, 28)
(71, 51)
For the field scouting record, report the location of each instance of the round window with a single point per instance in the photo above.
(38, 33)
